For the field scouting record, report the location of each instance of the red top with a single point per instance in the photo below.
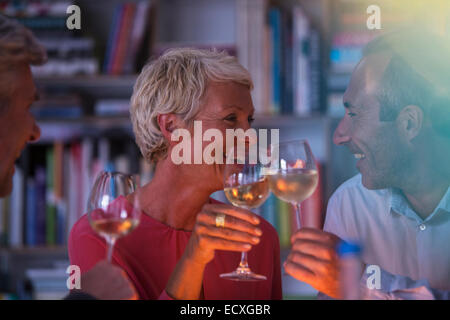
(149, 254)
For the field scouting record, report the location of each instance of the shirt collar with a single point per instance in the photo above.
(400, 205)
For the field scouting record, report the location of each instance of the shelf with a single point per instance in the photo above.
(96, 85)
(38, 251)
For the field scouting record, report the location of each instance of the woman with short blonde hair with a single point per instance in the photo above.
(180, 248)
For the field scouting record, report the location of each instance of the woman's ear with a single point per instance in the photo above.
(410, 122)
(167, 124)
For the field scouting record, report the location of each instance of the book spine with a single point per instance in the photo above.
(113, 65)
(284, 224)
(17, 202)
(40, 205)
(31, 212)
(275, 25)
(110, 47)
(50, 223)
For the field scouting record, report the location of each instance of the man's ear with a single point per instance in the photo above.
(410, 121)
(167, 124)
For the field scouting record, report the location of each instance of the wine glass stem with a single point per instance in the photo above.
(298, 212)
(111, 241)
(243, 264)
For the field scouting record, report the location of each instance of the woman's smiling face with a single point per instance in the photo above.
(226, 105)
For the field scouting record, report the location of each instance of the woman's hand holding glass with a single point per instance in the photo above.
(222, 227)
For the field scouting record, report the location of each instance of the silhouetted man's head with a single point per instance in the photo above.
(18, 50)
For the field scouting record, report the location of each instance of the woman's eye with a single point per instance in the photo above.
(351, 114)
(251, 119)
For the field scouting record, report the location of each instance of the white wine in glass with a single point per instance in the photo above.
(250, 195)
(110, 216)
(295, 185)
(246, 187)
(292, 173)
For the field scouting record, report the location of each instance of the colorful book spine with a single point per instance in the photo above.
(284, 224)
(275, 27)
(31, 213)
(41, 196)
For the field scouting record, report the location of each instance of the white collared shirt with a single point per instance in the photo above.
(411, 252)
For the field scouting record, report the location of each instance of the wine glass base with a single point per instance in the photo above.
(244, 274)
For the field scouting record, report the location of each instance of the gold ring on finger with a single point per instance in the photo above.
(220, 220)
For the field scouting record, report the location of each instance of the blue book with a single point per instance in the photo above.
(112, 38)
(41, 213)
(269, 209)
(275, 28)
(30, 215)
(61, 235)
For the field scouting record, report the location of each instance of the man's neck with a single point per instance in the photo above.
(425, 195)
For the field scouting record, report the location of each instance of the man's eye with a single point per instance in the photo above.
(251, 119)
(231, 118)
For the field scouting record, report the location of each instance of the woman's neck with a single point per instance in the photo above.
(172, 197)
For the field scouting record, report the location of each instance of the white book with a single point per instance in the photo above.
(16, 210)
(302, 106)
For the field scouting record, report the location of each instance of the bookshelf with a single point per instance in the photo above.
(243, 28)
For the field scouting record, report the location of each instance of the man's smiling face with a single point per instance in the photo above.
(382, 156)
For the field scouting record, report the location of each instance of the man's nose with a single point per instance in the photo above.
(341, 134)
(36, 133)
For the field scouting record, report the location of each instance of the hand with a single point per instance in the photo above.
(107, 282)
(239, 233)
(314, 260)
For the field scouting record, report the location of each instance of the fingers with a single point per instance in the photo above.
(223, 244)
(298, 271)
(227, 233)
(312, 263)
(231, 222)
(315, 235)
(236, 212)
(314, 248)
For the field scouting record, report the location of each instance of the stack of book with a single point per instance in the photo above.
(130, 26)
(51, 190)
(69, 53)
(287, 71)
(48, 284)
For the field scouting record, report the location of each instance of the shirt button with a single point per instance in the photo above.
(422, 227)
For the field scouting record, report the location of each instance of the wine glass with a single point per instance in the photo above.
(245, 186)
(292, 173)
(113, 209)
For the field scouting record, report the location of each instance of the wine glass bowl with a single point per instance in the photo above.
(113, 208)
(292, 173)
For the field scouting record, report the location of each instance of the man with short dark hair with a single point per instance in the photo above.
(18, 50)
(396, 124)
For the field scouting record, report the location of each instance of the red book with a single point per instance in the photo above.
(124, 39)
(115, 40)
(312, 208)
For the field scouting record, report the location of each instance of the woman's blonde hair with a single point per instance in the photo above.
(175, 83)
(17, 46)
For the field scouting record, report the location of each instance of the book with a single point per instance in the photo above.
(137, 35)
(275, 29)
(40, 203)
(30, 216)
(284, 222)
(17, 209)
(50, 207)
